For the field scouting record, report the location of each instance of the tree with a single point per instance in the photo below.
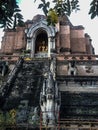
(93, 9)
(62, 7)
(10, 14)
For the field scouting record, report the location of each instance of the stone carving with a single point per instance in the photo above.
(53, 67)
(49, 101)
(72, 69)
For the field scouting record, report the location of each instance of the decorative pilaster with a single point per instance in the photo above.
(32, 47)
(49, 46)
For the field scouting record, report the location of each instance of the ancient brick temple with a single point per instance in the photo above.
(42, 40)
(48, 77)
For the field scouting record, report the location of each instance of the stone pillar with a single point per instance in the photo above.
(65, 38)
(32, 47)
(28, 46)
(49, 46)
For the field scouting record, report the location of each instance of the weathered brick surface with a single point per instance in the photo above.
(69, 38)
(65, 40)
(78, 45)
(13, 40)
(64, 29)
(62, 70)
(77, 33)
(19, 39)
(8, 42)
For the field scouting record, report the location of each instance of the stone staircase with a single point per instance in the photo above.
(22, 90)
(25, 85)
(79, 106)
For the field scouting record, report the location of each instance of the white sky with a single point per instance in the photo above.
(29, 10)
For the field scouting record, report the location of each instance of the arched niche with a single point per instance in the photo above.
(40, 39)
(41, 42)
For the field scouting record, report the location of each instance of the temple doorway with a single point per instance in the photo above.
(41, 42)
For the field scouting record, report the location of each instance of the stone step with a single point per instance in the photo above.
(27, 85)
(79, 105)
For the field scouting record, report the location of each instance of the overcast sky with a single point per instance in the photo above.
(29, 10)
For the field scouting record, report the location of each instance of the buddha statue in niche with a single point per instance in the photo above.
(43, 47)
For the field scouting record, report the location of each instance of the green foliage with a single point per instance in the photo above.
(52, 17)
(10, 117)
(45, 6)
(63, 7)
(17, 18)
(2, 121)
(33, 118)
(26, 51)
(1, 118)
(10, 14)
(94, 9)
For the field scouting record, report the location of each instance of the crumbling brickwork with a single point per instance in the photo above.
(68, 40)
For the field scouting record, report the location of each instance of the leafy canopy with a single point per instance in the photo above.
(62, 7)
(10, 14)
